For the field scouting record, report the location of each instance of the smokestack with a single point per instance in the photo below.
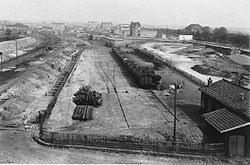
(209, 81)
(242, 96)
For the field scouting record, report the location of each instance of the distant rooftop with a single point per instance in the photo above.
(17, 25)
(135, 23)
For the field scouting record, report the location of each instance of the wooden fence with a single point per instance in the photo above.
(128, 143)
(64, 77)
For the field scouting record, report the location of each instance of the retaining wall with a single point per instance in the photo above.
(8, 46)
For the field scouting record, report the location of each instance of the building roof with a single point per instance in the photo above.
(47, 27)
(224, 121)
(17, 25)
(135, 24)
(230, 95)
(193, 28)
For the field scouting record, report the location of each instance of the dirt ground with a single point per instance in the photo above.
(23, 88)
(22, 92)
(146, 116)
(18, 147)
(187, 57)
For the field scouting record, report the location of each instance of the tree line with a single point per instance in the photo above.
(219, 35)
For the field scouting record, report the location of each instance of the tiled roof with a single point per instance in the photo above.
(230, 95)
(223, 120)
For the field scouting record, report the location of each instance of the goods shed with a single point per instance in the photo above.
(225, 106)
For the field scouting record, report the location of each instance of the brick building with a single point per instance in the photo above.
(225, 107)
(17, 28)
(106, 26)
(125, 29)
(135, 29)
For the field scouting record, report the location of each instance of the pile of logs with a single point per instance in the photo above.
(86, 96)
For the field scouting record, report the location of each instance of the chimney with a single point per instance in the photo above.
(241, 81)
(242, 96)
(209, 81)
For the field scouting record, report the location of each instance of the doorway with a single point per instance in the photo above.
(237, 145)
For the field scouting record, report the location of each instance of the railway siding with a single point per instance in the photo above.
(146, 115)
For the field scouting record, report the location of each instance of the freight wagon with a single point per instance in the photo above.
(145, 76)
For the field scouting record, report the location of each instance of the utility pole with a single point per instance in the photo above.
(1, 54)
(175, 93)
(16, 49)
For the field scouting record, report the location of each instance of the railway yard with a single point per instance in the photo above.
(146, 117)
(127, 109)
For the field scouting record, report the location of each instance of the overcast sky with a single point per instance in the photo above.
(233, 13)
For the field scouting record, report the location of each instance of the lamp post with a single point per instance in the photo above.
(1, 54)
(175, 87)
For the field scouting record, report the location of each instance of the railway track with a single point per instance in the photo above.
(99, 65)
(13, 62)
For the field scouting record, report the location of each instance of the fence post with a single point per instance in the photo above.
(157, 146)
(68, 139)
(85, 139)
(141, 144)
(52, 137)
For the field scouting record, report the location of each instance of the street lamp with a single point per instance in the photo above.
(175, 87)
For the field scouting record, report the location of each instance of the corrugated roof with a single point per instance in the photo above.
(223, 120)
(230, 95)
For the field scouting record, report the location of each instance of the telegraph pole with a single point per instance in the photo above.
(175, 93)
(16, 49)
(1, 54)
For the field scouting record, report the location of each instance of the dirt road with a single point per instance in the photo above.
(18, 147)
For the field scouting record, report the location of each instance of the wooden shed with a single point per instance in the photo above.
(225, 107)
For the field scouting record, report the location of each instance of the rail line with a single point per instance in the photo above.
(113, 85)
(24, 57)
(103, 79)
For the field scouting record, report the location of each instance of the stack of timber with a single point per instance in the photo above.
(82, 113)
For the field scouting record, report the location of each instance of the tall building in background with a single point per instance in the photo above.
(135, 29)
(125, 29)
(106, 26)
(58, 28)
(92, 25)
(17, 28)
